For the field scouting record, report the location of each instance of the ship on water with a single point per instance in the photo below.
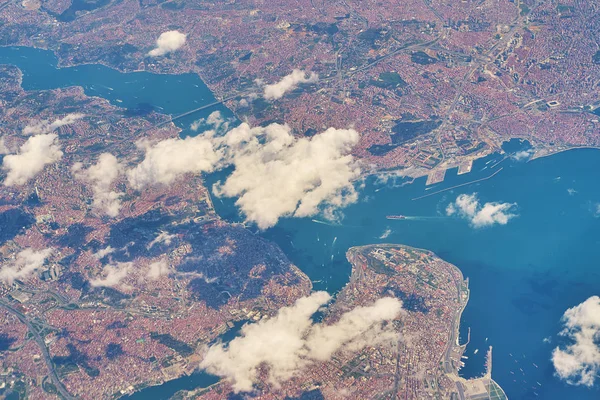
(395, 217)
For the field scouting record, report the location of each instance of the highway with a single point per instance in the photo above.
(40, 341)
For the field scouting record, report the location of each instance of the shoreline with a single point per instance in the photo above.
(537, 154)
(541, 154)
(402, 172)
(450, 359)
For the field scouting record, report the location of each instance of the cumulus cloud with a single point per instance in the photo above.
(112, 275)
(158, 269)
(37, 152)
(523, 155)
(100, 254)
(101, 176)
(168, 42)
(356, 329)
(27, 262)
(40, 127)
(279, 175)
(579, 362)
(289, 82)
(215, 120)
(385, 233)
(291, 341)
(163, 237)
(197, 124)
(467, 206)
(169, 159)
(275, 174)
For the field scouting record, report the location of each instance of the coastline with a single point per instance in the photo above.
(449, 362)
(541, 154)
(222, 100)
(535, 157)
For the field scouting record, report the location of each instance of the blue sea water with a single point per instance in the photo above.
(523, 275)
(169, 94)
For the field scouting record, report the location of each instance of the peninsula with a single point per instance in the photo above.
(423, 359)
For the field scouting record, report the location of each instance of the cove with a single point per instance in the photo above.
(523, 275)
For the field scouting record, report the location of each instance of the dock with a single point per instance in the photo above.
(465, 168)
(460, 185)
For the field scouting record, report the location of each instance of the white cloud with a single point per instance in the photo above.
(42, 126)
(579, 362)
(275, 173)
(169, 159)
(27, 262)
(467, 206)
(290, 340)
(356, 329)
(163, 237)
(158, 269)
(197, 124)
(103, 252)
(37, 128)
(101, 176)
(67, 120)
(523, 155)
(3, 148)
(37, 152)
(279, 175)
(113, 275)
(289, 82)
(168, 42)
(386, 233)
(394, 178)
(215, 119)
(596, 210)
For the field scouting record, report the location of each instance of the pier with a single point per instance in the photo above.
(457, 186)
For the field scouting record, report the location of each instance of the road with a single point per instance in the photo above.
(40, 341)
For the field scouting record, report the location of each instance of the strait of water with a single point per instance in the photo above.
(168, 94)
(523, 275)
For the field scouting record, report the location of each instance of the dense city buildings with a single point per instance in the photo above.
(428, 85)
(70, 322)
(110, 284)
(420, 357)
